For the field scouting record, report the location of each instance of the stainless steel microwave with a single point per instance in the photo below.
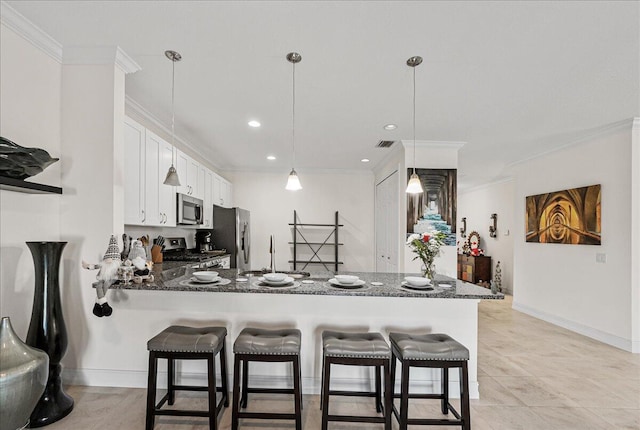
(190, 210)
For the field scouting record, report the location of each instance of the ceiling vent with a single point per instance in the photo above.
(385, 143)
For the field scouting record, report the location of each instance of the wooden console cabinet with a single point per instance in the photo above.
(474, 269)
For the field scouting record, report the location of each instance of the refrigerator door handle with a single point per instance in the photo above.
(245, 243)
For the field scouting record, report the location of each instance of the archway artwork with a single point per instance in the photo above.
(568, 216)
(435, 208)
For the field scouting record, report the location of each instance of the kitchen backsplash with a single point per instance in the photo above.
(136, 231)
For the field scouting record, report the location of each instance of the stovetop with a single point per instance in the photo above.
(185, 256)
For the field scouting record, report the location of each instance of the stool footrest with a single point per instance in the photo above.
(433, 422)
(271, 390)
(355, 419)
(266, 415)
(421, 396)
(352, 393)
(182, 413)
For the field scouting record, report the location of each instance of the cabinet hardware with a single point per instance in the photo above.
(144, 216)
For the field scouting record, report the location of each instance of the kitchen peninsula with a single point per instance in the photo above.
(451, 307)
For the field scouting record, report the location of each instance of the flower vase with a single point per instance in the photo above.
(23, 377)
(429, 270)
(48, 332)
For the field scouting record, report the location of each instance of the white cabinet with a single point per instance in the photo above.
(208, 199)
(134, 172)
(222, 192)
(191, 181)
(147, 158)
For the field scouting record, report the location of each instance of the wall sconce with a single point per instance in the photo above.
(493, 229)
(463, 230)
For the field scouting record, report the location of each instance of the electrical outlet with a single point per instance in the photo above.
(601, 257)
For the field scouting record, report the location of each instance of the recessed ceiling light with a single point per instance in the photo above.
(254, 124)
(365, 160)
(271, 157)
(390, 127)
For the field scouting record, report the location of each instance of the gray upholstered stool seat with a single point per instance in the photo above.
(178, 338)
(265, 345)
(436, 346)
(435, 351)
(356, 349)
(340, 344)
(265, 341)
(187, 343)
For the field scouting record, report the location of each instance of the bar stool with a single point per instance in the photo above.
(435, 351)
(255, 344)
(356, 349)
(187, 343)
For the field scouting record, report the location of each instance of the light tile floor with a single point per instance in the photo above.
(532, 375)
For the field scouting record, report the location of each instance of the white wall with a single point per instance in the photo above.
(477, 205)
(29, 116)
(563, 283)
(323, 193)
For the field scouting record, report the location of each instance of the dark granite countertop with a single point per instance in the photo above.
(176, 277)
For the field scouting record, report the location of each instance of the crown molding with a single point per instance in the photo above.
(100, 55)
(485, 185)
(137, 109)
(581, 138)
(26, 29)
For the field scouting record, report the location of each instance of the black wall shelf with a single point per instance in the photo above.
(19, 186)
(299, 239)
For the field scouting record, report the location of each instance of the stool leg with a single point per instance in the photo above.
(322, 383)
(245, 382)
(151, 391)
(404, 395)
(378, 369)
(171, 381)
(387, 396)
(464, 397)
(297, 392)
(392, 386)
(444, 403)
(300, 382)
(211, 366)
(325, 395)
(224, 376)
(236, 393)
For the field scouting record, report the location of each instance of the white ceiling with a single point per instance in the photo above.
(512, 79)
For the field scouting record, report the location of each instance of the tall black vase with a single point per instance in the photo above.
(48, 332)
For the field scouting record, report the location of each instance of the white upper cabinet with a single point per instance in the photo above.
(191, 180)
(208, 199)
(147, 158)
(221, 192)
(134, 172)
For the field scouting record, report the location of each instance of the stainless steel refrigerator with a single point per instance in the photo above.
(231, 232)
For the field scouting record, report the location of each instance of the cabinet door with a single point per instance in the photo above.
(152, 180)
(225, 193)
(199, 190)
(167, 195)
(192, 177)
(134, 172)
(208, 199)
(217, 189)
(182, 164)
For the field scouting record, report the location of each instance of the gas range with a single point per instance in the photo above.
(176, 250)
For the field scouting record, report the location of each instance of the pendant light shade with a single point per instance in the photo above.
(414, 186)
(172, 175)
(293, 182)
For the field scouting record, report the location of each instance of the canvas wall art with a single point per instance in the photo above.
(567, 216)
(435, 208)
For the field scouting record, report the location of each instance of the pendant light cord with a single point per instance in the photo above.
(173, 108)
(293, 119)
(414, 119)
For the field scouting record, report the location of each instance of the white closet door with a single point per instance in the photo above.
(387, 228)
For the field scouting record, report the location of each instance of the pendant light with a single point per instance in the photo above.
(172, 174)
(414, 186)
(293, 182)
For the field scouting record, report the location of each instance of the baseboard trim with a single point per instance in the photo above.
(138, 379)
(609, 339)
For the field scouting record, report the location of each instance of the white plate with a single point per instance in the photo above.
(241, 279)
(445, 285)
(415, 287)
(286, 281)
(376, 284)
(197, 281)
(357, 283)
(308, 281)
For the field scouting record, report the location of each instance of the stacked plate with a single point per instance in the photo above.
(417, 283)
(276, 280)
(205, 277)
(347, 281)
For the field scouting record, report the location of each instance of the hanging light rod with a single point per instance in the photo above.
(172, 175)
(414, 186)
(293, 182)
